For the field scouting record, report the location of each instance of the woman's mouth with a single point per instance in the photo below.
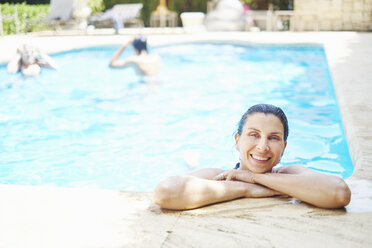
(260, 158)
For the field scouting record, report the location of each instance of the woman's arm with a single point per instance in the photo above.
(318, 189)
(46, 61)
(115, 62)
(14, 64)
(197, 190)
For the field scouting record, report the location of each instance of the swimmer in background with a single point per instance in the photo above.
(29, 61)
(146, 64)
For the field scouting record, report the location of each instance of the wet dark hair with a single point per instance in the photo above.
(140, 43)
(266, 109)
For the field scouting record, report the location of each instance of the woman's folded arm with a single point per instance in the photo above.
(318, 189)
(188, 191)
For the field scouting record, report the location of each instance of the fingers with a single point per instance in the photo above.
(132, 38)
(220, 176)
(226, 175)
(229, 177)
(233, 175)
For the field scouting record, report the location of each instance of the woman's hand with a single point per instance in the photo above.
(236, 175)
(130, 41)
(253, 190)
(259, 191)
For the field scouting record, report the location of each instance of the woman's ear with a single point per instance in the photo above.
(237, 141)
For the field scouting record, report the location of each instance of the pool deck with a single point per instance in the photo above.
(36, 216)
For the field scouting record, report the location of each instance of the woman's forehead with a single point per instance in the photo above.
(264, 122)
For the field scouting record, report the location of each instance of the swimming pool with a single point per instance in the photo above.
(87, 125)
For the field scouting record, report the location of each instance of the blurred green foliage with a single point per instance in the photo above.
(96, 6)
(34, 12)
(26, 1)
(263, 4)
(251, 3)
(25, 12)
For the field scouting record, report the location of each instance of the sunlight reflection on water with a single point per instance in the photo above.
(87, 125)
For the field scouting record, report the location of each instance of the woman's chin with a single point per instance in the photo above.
(257, 169)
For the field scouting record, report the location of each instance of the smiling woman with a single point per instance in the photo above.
(266, 130)
(260, 140)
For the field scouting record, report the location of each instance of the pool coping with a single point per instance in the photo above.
(59, 217)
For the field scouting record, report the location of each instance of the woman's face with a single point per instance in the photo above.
(27, 56)
(261, 144)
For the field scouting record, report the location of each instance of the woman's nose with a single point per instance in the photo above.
(262, 144)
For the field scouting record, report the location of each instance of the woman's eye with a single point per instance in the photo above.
(253, 135)
(274, 138)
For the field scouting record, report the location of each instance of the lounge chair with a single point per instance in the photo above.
(193, 21)
(119, 16)
(64, 13)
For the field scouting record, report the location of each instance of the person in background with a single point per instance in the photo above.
(146, 64)
(250, 22)
(29, 61)
(260, 139)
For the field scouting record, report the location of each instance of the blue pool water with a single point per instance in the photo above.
(87, 125)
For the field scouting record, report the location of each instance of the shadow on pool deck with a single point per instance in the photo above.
(34, 216)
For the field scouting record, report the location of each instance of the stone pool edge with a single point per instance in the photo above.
(56, 217)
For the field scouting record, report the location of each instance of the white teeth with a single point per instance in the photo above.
(259, 158)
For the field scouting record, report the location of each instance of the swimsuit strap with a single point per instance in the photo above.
(237, 166)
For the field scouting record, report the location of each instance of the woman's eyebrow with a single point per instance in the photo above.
(255, 129)
(277, 133)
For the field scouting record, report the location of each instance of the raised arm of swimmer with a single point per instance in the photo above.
(145, 63)
(14, 64)
(46, 61)
(115, 62)
(29, 61)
